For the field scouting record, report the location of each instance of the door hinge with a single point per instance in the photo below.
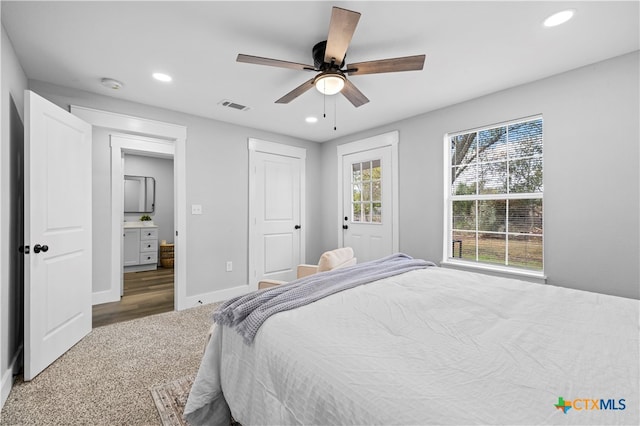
(176, 233)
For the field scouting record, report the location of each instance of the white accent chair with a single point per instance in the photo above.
(330, 260)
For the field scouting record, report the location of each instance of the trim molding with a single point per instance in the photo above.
(130, 124)
(257, 145)
(7, 377)
(216, 296)
(175, 135)
(125, 144)
(104, 296)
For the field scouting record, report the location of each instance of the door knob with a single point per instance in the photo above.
(38, 248)
(297, 227)
(345, 226)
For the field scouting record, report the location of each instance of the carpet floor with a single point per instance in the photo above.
(106, 378)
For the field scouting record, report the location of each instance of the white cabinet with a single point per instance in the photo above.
(140, 248)
(149, 246)
(131, 247)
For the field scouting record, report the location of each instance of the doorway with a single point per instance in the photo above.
(368, 201)
(169, 139)
(147, 281)
(16, 234)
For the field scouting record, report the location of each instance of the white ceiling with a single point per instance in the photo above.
(473, 48)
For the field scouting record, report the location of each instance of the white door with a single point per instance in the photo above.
(367, 203)
(278, 216)
(57, 232)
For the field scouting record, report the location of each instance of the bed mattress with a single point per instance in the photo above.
(432, 346)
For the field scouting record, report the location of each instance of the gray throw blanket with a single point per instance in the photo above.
(247, 313)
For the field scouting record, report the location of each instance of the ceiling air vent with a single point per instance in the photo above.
(233, 105)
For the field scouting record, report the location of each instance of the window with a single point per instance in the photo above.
(495, 198)
(366, 193)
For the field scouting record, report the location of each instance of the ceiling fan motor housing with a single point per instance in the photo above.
(318, 58)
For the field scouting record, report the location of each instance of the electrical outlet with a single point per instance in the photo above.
(196, 209)
(229, 266)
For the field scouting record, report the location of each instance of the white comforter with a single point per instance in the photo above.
(433, 346)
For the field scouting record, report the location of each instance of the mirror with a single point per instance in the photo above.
(139, 194)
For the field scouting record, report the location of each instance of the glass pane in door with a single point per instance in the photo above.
(366, 195)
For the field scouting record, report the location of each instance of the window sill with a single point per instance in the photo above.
(532, 276)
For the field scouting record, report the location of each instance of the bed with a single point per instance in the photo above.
(429, 346)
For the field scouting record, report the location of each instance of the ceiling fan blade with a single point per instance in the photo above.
(296, 92)
(341, 28)
(407, 63)
(355, 96)
(273, 62)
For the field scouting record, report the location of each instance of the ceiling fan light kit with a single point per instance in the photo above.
(329, 82)
(329, 61)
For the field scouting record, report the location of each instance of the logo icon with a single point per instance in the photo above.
(563, 405)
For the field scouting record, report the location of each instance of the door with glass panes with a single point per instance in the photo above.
(367, 203)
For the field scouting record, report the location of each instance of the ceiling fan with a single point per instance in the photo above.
(328, 62)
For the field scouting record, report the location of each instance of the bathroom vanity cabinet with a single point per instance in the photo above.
(140, 248)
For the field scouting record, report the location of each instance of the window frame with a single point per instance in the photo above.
(449, 198)
(371, 200)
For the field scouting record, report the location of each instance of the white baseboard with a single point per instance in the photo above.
(212, 297)
(7, 382)
(105, 296)
(7, 378)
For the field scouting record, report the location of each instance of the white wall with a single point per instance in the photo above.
(14, 82)
(217, 178)
(591, 154)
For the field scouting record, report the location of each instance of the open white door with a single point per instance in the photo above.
(57, 232)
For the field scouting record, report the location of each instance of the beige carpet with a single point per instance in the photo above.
(106, 378)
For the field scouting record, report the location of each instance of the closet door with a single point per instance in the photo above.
(278, 219)
(276, 211)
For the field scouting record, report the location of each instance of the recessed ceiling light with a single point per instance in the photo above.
(111, 83)
(311, 119)
(162, 77)
(559, 18)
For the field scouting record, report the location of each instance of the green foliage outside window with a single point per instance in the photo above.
(496, 195)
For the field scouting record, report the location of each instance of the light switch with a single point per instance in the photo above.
(196, 209)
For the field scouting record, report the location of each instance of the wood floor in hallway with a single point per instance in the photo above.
(145, 293)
